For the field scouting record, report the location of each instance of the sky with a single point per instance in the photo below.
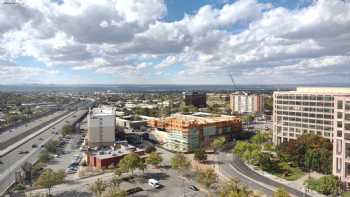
(175, 41)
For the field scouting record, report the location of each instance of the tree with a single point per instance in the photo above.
(67, 129)
(259, 138)
(27, 169)
(207, 177)
(98, 187)
(129, 163)
(50, 178)
(326, 185)
(218, 143)
(114, 192)
(44, 156)
(281, 192)
(265, 162)
(154, 159)
(232, 188)
(200, 155)
(142, 166)
(179, 162)
(51, 146)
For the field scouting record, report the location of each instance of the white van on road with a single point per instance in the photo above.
(153, 183)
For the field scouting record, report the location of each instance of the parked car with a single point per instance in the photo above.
(34, 146)
(194, 188)
(153, 183)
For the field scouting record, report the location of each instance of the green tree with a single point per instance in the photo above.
(265, 162)
(50, 178)
(281, 192)
(142, 166)
(129, 163)
(232, 188)
(207, 177)
(326, 185)
(67, 130)
(259, 138)
(179, 162)
(218, 143)
(51, 146)
(44, 156)
(27, 169)
(200, 155)
(98, 187)
(114, 192)
(154, 159)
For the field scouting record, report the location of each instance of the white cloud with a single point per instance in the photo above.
(248, 38)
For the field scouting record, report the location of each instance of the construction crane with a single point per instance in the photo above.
(233, 82)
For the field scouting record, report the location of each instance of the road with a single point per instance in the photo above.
(232, 166)
(14, 160)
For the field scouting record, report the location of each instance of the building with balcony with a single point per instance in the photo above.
(246, 103)
(101, 127)
(185, 133)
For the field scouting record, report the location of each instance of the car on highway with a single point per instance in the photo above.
(34, 146)
(194, 188)
(23, 152)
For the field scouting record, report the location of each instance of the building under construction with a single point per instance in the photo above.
(185, 133)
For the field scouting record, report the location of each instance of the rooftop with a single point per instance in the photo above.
(321, 90)
(102, 111)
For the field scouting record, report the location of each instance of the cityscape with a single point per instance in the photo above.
(174, 98)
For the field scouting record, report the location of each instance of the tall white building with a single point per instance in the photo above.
(321, 111)
(246, 103)
(101, 127)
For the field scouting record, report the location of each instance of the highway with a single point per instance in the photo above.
(13, 160)
(232, 166)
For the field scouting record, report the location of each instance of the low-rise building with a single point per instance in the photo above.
(110, 156)
(185, 133)
(219, 99)
(130, 123)
(101, 127)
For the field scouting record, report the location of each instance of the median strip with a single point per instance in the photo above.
(26, 139)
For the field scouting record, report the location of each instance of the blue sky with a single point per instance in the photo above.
(175, 42)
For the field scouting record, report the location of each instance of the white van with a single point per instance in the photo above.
(153, 183)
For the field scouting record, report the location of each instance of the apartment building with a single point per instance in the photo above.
(101, 127)
(185, 133)
(196, 99)
(321, 111)
(341, 142)
(246, 103)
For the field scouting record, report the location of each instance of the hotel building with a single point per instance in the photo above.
(322, 111)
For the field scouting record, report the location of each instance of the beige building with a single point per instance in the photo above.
(101, 127)
(341, 142)
(321, 111)
(246, 103)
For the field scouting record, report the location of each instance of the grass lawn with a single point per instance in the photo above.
(345, 194)
(287, 172)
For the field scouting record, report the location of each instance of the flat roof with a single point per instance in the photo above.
(102, 111)
(319, 90)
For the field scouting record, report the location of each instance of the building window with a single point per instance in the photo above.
(339, 146)
(347, 116)
(339, 164)
(339, 133)
(347, 126)
(339, 115)
(340, 105)
(340, 124)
